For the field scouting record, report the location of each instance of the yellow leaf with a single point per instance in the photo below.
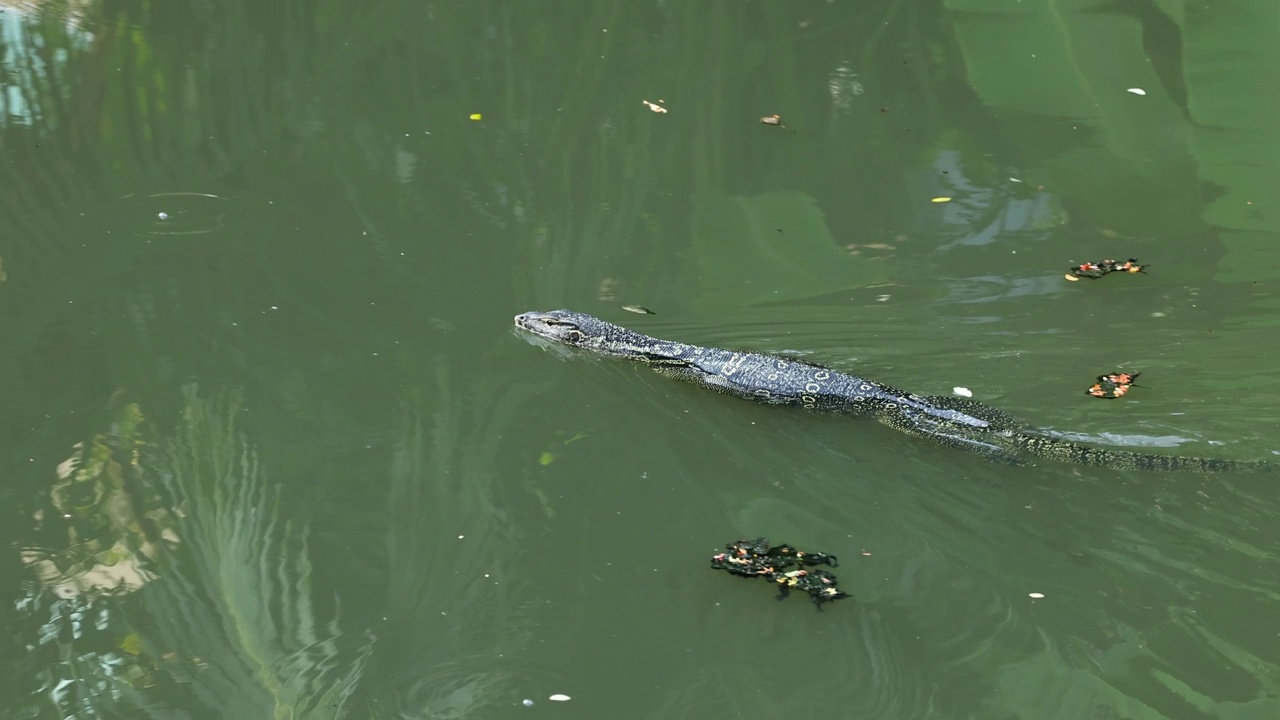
(546, 458)
(131, 644)
(475, 116)
(941, 199)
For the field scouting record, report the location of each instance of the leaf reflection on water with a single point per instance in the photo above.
(236, 608)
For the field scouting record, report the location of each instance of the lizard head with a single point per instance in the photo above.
(575, 329)
(571, 328)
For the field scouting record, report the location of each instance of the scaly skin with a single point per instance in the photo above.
(775, 380)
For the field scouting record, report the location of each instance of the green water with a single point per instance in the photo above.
(272, 449)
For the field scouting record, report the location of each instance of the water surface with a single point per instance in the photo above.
(275, 451)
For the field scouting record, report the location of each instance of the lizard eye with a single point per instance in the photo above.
(573, 336)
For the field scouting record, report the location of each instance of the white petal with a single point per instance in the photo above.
(559, 697)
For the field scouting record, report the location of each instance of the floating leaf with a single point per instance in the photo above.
(546, 458)
(131, 644)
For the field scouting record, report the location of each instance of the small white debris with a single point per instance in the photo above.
(962, 391)
(1035, 596)
(1137, 91)
(559, 697)
(526, 702)
(163, 216)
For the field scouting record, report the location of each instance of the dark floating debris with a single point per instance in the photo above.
(1114, 385)
(783, 565)
(1093, 271)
